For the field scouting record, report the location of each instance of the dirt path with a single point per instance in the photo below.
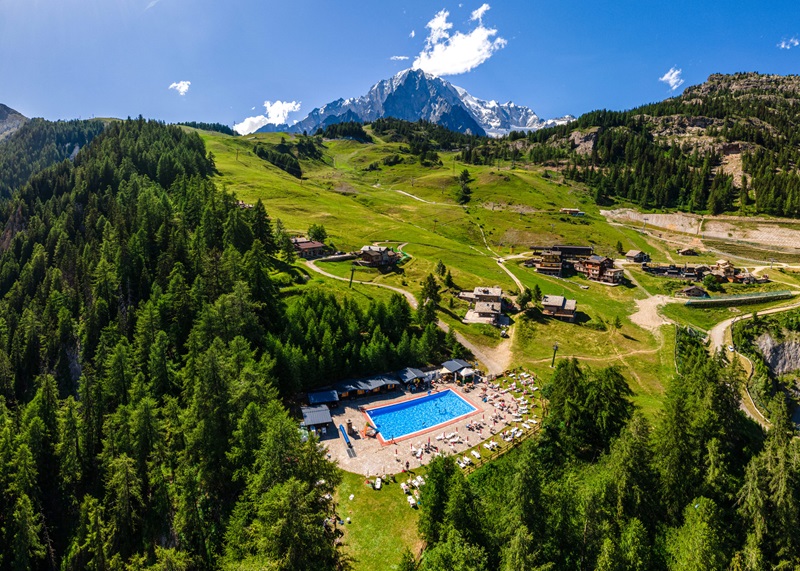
(647, 315)
(520, 285)
(412, 301)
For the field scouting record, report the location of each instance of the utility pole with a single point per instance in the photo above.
(352, 271)
(555, 350)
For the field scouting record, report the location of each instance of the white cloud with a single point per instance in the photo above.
(478, 14)
(792, 42)
(412, 34)
(672, 78)
(152, 3)
(181, 86)
(450, 55)
(276, 114)
(398, 58)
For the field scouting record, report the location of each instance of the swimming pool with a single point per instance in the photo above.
(416, 415)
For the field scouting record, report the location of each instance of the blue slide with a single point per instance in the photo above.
(344, 433)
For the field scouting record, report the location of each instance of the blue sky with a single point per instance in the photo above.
(61, 59)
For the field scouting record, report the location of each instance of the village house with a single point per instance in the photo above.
(487, 305)
(573, 252)
(599, 269)
(723, 270)
(692, 291)
(636, 257)
(560, 307)
(378, 257)
(308, 249)
(550, 263)
(686, 252)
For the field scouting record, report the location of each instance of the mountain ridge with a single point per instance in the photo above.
(414, 95)
(10, 121)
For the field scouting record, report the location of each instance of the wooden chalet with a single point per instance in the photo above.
(560, 307)
(599, 269)
(308, 249)
(636, 256)
(692, 291)
(378, 256)
(550, 263)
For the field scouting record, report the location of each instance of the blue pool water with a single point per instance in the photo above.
(401, 419)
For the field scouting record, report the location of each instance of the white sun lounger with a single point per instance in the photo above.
(411, 501)
(476, 454)
(378, 484)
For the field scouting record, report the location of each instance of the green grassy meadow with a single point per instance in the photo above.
(511, 210)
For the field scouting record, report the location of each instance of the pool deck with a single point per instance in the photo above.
(374, 458)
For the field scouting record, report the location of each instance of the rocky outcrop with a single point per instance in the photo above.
(583, 142)
(781, 357)
(10, 121)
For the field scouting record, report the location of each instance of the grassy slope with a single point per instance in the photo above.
(509, 212)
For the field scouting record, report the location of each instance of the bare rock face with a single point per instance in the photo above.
(583, 142)
(783, 357)
(10, 121)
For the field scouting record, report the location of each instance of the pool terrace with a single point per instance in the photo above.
(512, 403)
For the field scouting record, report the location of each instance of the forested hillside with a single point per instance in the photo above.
(145, 354)
(602, 488)
(728, 144)
(39, 144)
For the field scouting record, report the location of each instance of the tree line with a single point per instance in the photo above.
(146, 352)
(699, 488)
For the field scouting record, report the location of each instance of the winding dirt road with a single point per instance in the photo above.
(494, 359)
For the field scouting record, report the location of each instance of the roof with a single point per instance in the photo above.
(321, 397)
(313, 415)
(596, 258)
(553, 300)
(693, 288)
(494, 290)
(409, 374)
(307, 244)
(560, 301)
(551, 253)
(366, 384)
(374, 248)
(488, 307)
(455, 365)
(633, 253)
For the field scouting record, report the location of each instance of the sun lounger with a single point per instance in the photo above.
(411, 501)
(404, 487)
(476, 454)
(526, 426)
(378, 483)
(421, 480)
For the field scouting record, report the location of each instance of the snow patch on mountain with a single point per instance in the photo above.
(414, 95)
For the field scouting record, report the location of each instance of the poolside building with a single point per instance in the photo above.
(329, 397)
(317, 418)
(459, 369)
(367, 385)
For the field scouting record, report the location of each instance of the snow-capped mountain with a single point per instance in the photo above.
(413, 95)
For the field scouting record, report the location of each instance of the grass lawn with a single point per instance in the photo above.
(382, 524)
(707, 317)
(752, 252)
